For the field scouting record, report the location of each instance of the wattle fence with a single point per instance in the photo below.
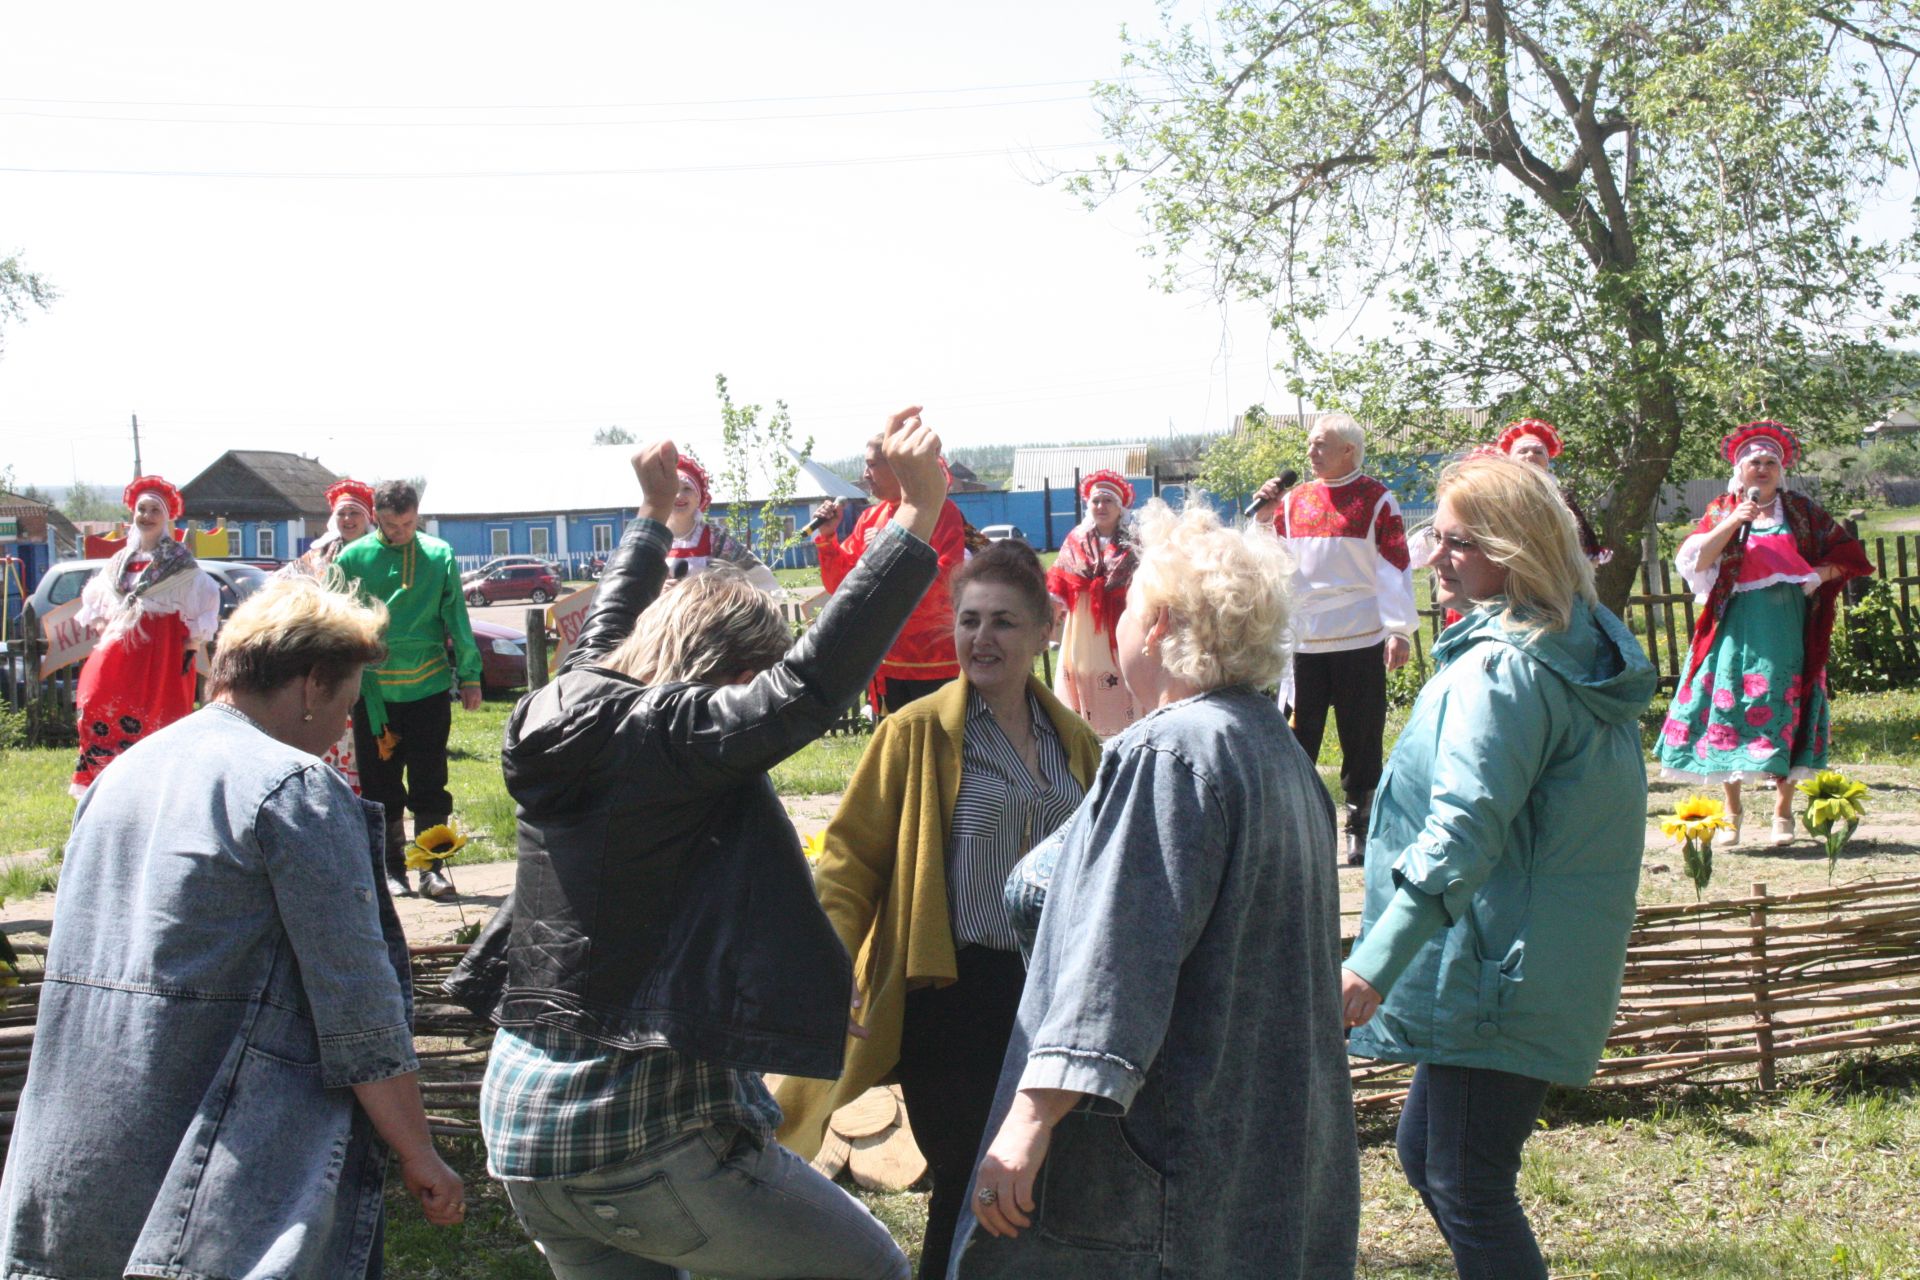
(1716, 992)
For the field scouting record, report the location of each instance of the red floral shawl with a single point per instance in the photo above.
(1099, 568)
(1820, 540)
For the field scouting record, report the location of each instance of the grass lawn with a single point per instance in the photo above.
(1814, 1181)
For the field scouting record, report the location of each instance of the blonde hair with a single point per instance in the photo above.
(1516, 514)
(707, 630)
(1225, 594)
(294, 626)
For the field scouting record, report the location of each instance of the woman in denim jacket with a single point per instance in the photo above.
(1176, 1099)
(223, 1057)
(1504, 856)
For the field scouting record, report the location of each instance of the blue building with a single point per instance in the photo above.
(572, 504)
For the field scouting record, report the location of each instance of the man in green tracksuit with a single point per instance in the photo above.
(416, 577)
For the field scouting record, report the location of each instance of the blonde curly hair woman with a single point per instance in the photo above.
(1185, 976)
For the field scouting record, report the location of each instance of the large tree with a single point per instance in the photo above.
(1640, 218)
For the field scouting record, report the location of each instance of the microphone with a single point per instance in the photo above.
(1288, 479)
(1753, 495)
(818, 522)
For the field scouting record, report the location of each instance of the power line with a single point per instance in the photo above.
(539, 124)
(343, 175)
(556, 106)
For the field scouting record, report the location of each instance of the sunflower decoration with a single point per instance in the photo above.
(433, 846)
(1835, 805)
(813, 846)
(1692, 824)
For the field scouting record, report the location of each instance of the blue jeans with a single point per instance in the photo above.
(713, 1202)
(1460, 1137)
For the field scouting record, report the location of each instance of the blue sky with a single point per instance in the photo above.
(746, 189)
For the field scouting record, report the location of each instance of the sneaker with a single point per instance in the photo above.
(435, 885)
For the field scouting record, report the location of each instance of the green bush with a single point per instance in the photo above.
(1873, 646)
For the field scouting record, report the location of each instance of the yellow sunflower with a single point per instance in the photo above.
(814, 845)
(1695, 819)
(435, 844)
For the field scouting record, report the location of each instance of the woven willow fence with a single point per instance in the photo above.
(1720, 991)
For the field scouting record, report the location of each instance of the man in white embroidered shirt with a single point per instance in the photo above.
(1353, 607)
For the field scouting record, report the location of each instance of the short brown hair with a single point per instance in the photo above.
(1011, 564)
(707, 630)
(294, 626)
(396, 497)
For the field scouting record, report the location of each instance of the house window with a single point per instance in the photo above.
(235, 547)
(538, 540)
(602, 538)
(263, 544)
(502, 541)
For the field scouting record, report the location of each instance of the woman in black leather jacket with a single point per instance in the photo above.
(664, 945)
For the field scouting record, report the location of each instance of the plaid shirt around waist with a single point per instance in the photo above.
(556, 1105)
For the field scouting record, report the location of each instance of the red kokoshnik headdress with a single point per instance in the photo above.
(358, 492)
(690, 468)
(1106, 480)
(160, 489)
(1536, 427)
(1768, 434)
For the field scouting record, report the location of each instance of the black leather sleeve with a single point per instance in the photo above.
(480, 979)
(718, 736)
(630, 583)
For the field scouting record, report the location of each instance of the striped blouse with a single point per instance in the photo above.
(1000, 812)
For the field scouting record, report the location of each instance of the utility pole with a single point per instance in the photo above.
(138, 471)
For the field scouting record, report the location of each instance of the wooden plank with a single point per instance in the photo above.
(1763, 1018)
(1666, 615)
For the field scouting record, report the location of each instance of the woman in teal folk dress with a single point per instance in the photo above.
(1768, 566)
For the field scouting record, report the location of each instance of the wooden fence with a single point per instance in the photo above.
(1718, 992)
(1662, 613)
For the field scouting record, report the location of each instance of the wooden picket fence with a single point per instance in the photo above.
(1716, 992)
(1661, 611)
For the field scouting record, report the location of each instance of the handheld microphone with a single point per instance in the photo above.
(1288, 479)
(816, 524)
(1753, 495)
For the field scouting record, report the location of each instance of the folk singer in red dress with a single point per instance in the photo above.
(151, 609)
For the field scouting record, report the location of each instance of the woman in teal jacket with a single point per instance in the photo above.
(1503, 858)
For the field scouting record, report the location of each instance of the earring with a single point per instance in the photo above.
(307, 716)
(1146, 650)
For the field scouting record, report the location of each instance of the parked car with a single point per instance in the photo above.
(64, 580)
(1005, 533)
(503, 656)
(504, 562)
(535, 582)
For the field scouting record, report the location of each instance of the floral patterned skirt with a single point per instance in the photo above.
(130, 687)
(1738, 720)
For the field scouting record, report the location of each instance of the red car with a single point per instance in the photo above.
(503, 656)
(535, 582)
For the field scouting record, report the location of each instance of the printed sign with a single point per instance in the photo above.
(565, 617)
(68, 642)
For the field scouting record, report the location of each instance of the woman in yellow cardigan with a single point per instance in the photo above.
(952, 792)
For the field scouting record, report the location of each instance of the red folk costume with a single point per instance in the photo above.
(707, 544)
(153, 607)
(924, 650)
(1090, 578)
(1812, 539)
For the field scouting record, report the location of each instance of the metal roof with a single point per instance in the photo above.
(1035, 469)
(548, 481)
(259, 484)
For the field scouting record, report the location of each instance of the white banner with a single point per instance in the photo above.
(67, 641)
(565, 617)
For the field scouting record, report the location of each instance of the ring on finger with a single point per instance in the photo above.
(987, 1195)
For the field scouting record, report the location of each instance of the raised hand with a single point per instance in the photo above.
(657, 466)
(913, 451)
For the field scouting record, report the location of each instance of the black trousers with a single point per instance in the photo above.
(416, 777)
(1353, 685)
(951, 1046)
